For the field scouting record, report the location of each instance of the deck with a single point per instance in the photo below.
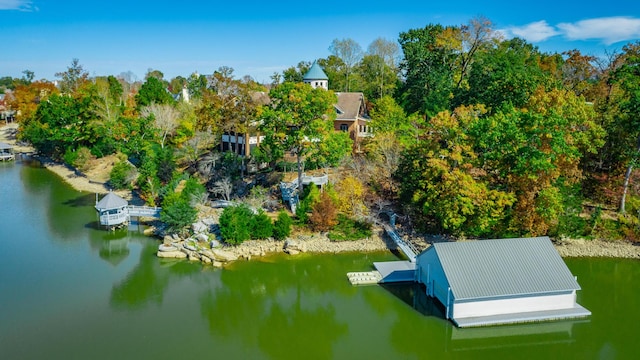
(396, 271)
(576, 312)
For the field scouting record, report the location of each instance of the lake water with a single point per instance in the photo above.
(71, 291)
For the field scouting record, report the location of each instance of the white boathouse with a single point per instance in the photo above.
(503, 281)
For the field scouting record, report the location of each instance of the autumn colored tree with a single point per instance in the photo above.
(439, 178)
(350, 192)
(59, 124)
(25, 98)
(324, 215)
(535, 152)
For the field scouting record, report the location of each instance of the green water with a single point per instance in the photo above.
(71, 291)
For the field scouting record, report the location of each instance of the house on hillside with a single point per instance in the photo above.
(488, 282)
(351, 116)
(351, 110)
(243, 144)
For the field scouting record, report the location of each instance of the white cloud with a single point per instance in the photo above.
(609, 29)
(22, 5)
(533, 32)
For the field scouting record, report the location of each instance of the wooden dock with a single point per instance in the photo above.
(364, 277)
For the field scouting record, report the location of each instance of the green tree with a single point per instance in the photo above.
(297, 118)
(504, 76)
(428, 68)
(153, 91)
(261, 226)
(333, 67)
(282, 226)
(628, 76)
(308, 199)
(235, 224)
(59, 124)
(177, 214)
(296, 74)
(122, 174)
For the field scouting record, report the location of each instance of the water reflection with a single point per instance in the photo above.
(282, 307)
(112, 246)
(408, 336)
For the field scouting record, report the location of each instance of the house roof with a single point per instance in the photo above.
(111, 201)
(349, 105)
(503, 267)
(315, 73)
(5, 146)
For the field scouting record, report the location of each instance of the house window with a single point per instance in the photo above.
(344, 127)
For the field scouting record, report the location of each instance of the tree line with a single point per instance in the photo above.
(474, 135)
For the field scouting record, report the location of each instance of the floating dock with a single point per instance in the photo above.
(364, 277)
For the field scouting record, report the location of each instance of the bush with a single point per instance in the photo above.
(282, 226)
(235, 224)
(70, 157)
(310, 196)
(177, 214)
(348, 229)
(122, 174)
(261, 226)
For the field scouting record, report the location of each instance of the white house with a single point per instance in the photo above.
(488, 282)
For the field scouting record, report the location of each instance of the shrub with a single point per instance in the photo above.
(282, 226)
(310, 196)
(261, 226)
(122, 174)
(235, 224)
(348, 229)
(177, 214)
(70, 156)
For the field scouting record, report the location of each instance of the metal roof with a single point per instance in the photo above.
(315, 73)
(503, 267)
(111, 201)
(5, 146)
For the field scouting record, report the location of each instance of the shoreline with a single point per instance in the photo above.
(75, 179)
(320, 244)
(316, 242)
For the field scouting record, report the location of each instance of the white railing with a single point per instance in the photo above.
(146, 211)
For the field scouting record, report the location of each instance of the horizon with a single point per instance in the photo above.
(258, 39)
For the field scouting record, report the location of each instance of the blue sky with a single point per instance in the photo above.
(258, 38)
